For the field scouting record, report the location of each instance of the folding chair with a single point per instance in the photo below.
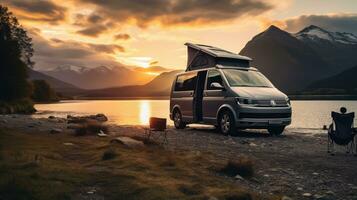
(157, 125)
(341, 132)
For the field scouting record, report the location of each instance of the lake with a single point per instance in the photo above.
(306, 114)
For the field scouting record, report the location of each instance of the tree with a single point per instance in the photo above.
(42, 91)
(15, 58)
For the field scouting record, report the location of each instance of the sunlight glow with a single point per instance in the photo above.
(145, 112)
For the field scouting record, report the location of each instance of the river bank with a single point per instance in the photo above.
(294, 165)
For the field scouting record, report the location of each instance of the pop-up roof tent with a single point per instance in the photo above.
(204, 56)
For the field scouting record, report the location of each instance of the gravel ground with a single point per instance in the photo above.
(295, 164)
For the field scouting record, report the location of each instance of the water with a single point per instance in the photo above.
(306, 114)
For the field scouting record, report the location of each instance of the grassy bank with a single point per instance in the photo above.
(24, 106)
(41, 166)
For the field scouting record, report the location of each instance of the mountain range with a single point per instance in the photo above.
(293, 61)
(99, 77)
(304, 61)
(160, 86)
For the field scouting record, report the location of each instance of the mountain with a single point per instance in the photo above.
(293, 61)
(287, 61)
(336, 48)
(99, 77)
(152, 69)
(344, 82)
(159, 86)
(57, 85)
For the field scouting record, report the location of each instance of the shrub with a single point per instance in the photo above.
(109, 154)
(23, 106)
(242, 167)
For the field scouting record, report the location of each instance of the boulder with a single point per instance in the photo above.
(85, 119)
(128, 142)
(55, 130)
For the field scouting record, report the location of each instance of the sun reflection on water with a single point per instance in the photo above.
(145, 112)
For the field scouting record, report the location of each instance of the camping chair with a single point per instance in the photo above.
(341, 132)
(157, 125)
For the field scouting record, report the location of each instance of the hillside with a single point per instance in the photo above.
(57, 85)
(344, 82)
(160, 86)
(99, 77)
(289, 63)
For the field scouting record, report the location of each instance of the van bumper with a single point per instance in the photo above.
(263, 117)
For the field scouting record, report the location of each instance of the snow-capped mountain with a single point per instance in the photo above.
(99, 77)
(316, 33)
(292, 61)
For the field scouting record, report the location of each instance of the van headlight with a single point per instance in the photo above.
(244, 101)
(288, 101)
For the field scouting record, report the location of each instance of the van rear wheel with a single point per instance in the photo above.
(179, 124)
(276, 130)
(226, 123)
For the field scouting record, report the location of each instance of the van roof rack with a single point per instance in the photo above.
(204, 56)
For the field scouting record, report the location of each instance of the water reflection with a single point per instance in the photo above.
(306, 114)
(145, 112)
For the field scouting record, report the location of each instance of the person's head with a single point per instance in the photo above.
(343, 110)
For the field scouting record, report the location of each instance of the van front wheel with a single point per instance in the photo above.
(226, 123)
(276, 130)
(179, 124)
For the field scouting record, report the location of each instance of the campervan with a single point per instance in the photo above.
(221, 88)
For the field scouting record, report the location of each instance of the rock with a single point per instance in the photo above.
(252, 144)
(318, 196)
(55, 130)
(102, 134)
(286, 198)
(299, 189)
(68, 144)
(84, 119)
(3, 121)
(239, 177)
(329, 192)
(129, 142)
(101, 117)
(74, 126)
(306, 194)
(315, 174)
(51, 117)
(212, 198)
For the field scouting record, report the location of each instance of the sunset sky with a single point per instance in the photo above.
(139, 32)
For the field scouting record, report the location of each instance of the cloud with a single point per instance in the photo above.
(46, 11)
(122, 36)
(54, 52)
(332, 22)
(178, 12)
(93, 31)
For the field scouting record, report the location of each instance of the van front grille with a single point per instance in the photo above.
(267, 103)
(264, 115)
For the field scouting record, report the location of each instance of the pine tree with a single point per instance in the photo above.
(15, 58)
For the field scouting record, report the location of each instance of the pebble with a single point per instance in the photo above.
(68, 144)
(286, 198)
(239, 177)
(55, 130)
(307, 194)
(299, 189)
(315, 174)
(318, 196)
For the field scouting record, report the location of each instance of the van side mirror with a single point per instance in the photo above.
(216, 86)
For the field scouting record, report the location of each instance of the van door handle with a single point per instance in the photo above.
(205, 94)
(191, 94)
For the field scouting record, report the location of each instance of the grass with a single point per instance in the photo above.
(243, 167)
(23, 106)
(91, 127)
(40, 166)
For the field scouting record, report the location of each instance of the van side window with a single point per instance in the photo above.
(186, 82)
(213, 77)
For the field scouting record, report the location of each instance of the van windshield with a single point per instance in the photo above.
(246, 78)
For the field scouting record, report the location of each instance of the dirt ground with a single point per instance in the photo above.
(295, 165)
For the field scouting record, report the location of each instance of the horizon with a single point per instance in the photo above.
(119, 33)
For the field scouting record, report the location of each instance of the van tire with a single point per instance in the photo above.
(226, 123)
(276, 130)
(177, 117)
